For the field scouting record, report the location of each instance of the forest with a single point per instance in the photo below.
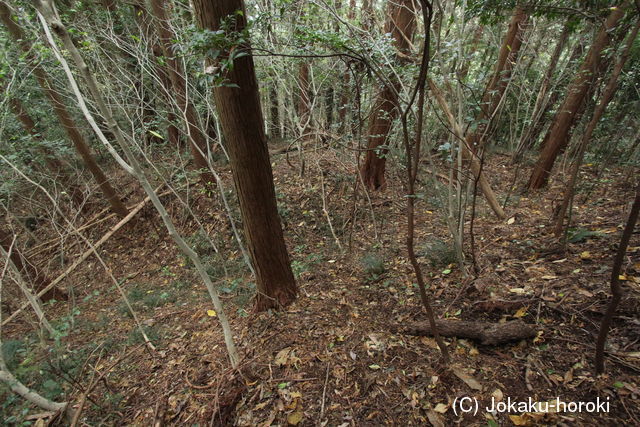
(319, 212)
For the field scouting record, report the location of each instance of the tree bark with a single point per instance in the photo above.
(486, 333)
(274, 108)
(498, 84)
(401, 24)
(542, 100)
(304, 100)
(198, 140)
(242, 125)
(60, 110)
(144, 22)
(582, 86)
(607, 96)
(345, 87)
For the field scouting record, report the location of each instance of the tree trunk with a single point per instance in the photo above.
(53, 163)
(242, 125)
(542, 100)
(274, 108)
(477, 37)
(29, 126)
(616, 288)
(498, 84)
(198, 140)
(468, 155)
(63, 115)
(144, 22)
(558, 135)
(345, 87)
(28, 270)
(401, 24)
(367, 17)
(329, 107)
(607, 96)
(304, 100)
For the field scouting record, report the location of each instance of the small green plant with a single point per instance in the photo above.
(11, 349)
(373, 265)
(166, 271)
(154, 300)
(135, 337)
(135, 294)
(578, 235)
(439, 253)
(180, 285)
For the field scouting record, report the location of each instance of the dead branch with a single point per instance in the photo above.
(83, 257)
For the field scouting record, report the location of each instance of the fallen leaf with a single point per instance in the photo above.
(435, 418)
(519, 420)
(511, 220)
(211, 313)
(468, 379)
(282, 357)
(522, 311)
(441, 408)
(295, 417)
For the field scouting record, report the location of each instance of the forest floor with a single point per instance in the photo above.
(337, 356)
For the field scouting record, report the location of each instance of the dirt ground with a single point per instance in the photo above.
(338, 355)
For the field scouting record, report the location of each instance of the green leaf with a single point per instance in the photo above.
(156, 134)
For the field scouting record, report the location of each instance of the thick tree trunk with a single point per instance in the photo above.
(242, 125)
(29, 271)
(607, 96)
(63, 115)
(498, 84)
(197, 138)
(558, 135)
(401, 24)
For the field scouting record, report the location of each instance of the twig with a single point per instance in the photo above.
(94, 383)
(324, 393)
(83, 257)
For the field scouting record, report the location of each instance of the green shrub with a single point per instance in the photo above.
(439, 253)
(373, 265)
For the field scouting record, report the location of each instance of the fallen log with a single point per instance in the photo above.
(487, 333)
